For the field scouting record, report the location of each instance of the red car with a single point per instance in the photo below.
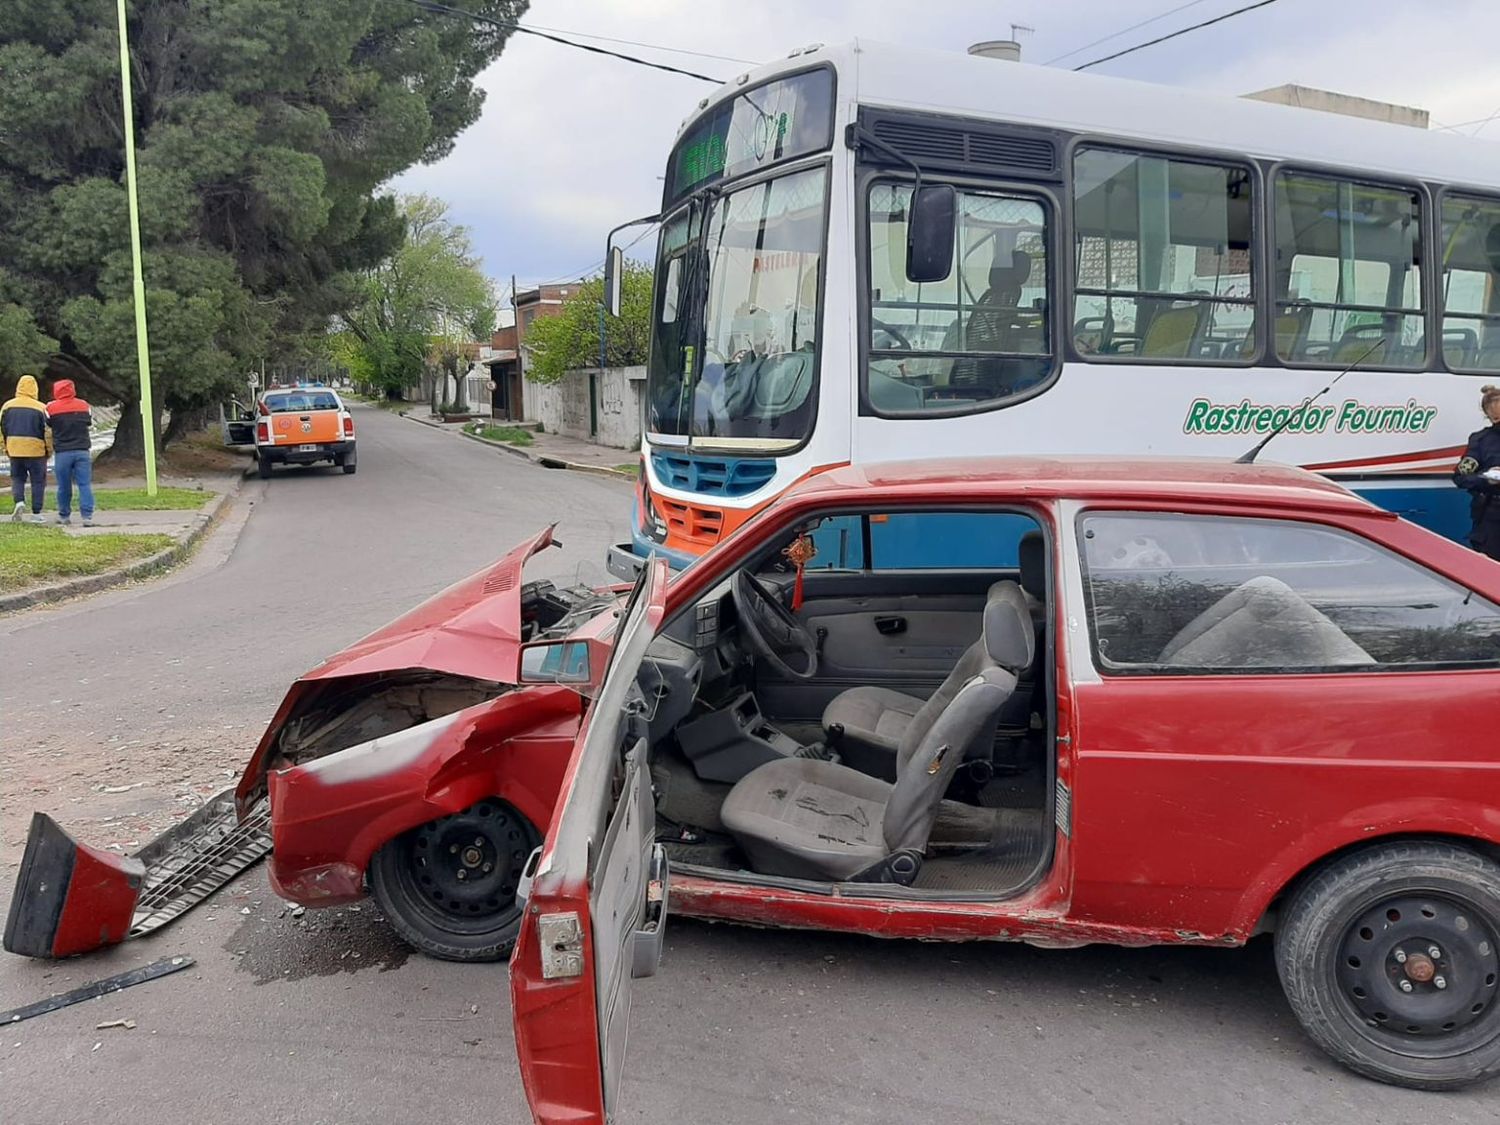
(1143, 702)
(422, 763)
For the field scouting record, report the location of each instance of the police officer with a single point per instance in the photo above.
(1479, 473)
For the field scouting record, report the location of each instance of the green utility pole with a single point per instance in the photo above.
(142, 348)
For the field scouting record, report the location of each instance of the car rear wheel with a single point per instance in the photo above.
(449, 886)
(263, 468)
(1390, 958)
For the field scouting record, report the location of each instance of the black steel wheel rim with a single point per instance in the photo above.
(460, 871)
(1418, 974)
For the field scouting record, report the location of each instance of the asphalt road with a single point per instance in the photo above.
(328, 1018)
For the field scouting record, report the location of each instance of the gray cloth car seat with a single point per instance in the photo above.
(1263, 623)
(879, 725)
(813, 819)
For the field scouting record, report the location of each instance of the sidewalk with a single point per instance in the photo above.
(183, 526)
(552, 450)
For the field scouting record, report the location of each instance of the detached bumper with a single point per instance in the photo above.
(291, 455)
(71, 898)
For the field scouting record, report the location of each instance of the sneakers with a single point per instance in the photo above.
(66, 521)
(87, 522)
(20, 513)
(39, 518)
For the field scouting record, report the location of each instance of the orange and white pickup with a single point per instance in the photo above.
(303, 425)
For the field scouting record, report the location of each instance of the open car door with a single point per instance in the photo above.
(596, 895)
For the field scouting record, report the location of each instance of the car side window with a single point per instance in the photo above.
(1175, 594)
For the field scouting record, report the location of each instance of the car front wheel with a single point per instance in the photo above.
(1390, 957)
(448, 887)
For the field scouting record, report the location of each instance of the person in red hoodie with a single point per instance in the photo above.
(71, 421)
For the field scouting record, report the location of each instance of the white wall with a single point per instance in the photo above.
(563, 407)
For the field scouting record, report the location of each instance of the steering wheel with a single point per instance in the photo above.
(893, 332)
(771, 628)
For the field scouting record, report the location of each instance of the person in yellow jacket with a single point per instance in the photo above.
(27, 434)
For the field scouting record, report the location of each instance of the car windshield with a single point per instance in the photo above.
(751, 296)
(298, 402)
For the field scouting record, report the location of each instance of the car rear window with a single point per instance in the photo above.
(299, 402)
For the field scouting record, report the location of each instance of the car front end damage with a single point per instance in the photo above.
(419, 720)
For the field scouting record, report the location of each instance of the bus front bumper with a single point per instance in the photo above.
(625, 560)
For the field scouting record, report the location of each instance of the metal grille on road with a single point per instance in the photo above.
(188, 863)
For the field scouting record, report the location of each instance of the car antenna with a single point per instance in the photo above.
(1248, 458)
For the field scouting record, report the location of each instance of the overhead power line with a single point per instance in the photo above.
(510, 25)
(1123, 31)
(648, 46)
(1175, 34)
(1480, 121)
(583, 274)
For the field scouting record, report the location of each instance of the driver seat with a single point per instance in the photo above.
(812, 819)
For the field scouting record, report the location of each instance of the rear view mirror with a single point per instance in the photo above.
(614, 268)
(930, 232)
(555, 662)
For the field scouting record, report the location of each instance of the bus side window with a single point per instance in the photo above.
(1350, 262)
(1164, 265)
(1471, 283)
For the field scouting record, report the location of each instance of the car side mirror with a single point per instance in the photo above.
(555, 662)
(930, 232)
(614, 270)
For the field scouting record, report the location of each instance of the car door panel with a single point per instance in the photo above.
(595, 903)
(939, 615)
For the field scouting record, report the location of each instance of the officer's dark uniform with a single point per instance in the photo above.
(1483, 453)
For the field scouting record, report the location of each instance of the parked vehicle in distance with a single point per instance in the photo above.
(303, 425)
(1128, 701)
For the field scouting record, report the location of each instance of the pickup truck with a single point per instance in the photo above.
(302, 426)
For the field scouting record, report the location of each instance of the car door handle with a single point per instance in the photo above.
(890, 626)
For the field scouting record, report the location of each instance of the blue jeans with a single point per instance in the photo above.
(73, 465)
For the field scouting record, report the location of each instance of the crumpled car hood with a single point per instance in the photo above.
(471, 630)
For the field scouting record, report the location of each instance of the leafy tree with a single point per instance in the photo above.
(570, 340)
(420, 303)
(264, 129)
(23, 349)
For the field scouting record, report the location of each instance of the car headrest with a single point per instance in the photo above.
(1008, 637)
(1032, 559)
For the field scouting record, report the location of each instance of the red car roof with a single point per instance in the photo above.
(1123, 478)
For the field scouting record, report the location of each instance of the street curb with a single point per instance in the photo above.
(141, 568)
(541, 459)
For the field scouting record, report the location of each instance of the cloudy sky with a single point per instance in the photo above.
(572, 143)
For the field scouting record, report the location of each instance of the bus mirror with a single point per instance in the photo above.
(614, 269)
(930, 233)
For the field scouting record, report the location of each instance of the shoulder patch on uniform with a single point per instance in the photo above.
(1468, 465)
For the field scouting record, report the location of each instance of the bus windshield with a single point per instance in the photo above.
(739, 275)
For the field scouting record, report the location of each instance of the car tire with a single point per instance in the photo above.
(263, 468)
(473, 916)
(1388, 956)
(349, 465)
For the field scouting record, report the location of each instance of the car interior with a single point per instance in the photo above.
(879, 714)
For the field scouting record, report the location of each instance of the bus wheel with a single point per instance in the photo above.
(1390, 957)
(449, 886)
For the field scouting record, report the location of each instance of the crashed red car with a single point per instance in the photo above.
(420, 764)
(1136, 702)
